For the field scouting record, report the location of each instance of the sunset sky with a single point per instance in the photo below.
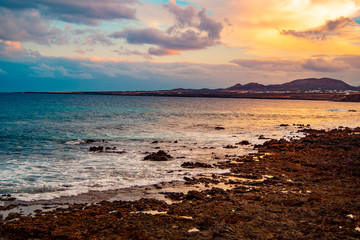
(68, 45)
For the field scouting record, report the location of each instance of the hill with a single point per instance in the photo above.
(307, 84)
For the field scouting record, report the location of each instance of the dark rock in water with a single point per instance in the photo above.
(7, 197)
(244, 142)
(284, 125)
(96, 149)
(159, 156)
(153, 142)
(230, 147)
(262, 137)
(219, 128)
(157, 186)
(88, 141)
(195, 165)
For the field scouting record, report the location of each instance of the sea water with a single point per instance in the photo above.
(45, 138)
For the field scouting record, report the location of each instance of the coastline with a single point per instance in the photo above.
(302, 189)
(336, 97)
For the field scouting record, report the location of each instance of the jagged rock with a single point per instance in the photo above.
(195, 165)
(96, 149)
(159, 156)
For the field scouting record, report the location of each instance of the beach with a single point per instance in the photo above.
(303, 189)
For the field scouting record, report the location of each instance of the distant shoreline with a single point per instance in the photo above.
(340, 97)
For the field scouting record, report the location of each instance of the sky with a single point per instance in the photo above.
(121, 45)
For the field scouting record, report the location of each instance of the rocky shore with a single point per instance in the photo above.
(300, 189)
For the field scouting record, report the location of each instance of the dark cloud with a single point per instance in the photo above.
(323, 65)
(192, 30)
(84, 11)
(28, 26)
(330, 28)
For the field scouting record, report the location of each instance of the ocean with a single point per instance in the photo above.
(45, 138)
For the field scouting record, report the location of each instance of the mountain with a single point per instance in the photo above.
(307, 84)
(250, 86)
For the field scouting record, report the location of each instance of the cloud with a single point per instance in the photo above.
(80, 51)
(323, 65)
(92, 37)
(44, 70)
(98, 74)
(313, 64)
(269, 64)
(28, 26)
(11, 49)
(330, 28)
(122, 51)
(352, 60)
(86, 11)
(192, 30)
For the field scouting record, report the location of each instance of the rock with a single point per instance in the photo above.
(96, 149)
(195, 195)
(219, 128)
(284, 125)
(7, 197)
(159, 156)
(262, 137)
(230, 147)
(195, 165)
(244, 142)
(88, 141)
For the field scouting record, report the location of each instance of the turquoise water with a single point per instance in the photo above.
(44, 154)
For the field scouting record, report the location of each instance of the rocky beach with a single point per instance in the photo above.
(299, 189)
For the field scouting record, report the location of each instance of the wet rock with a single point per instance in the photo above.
(96, 149)
(154, 142)
(244, 142)
(7, 197)
(88, 141)
(219, 128)
(158, 156)
(195, 165)
(157, 186)
(195, 195)
(175, 196)
(230, 147)
(284, 125)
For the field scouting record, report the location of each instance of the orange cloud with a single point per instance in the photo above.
(10, 49)
(256, 26)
